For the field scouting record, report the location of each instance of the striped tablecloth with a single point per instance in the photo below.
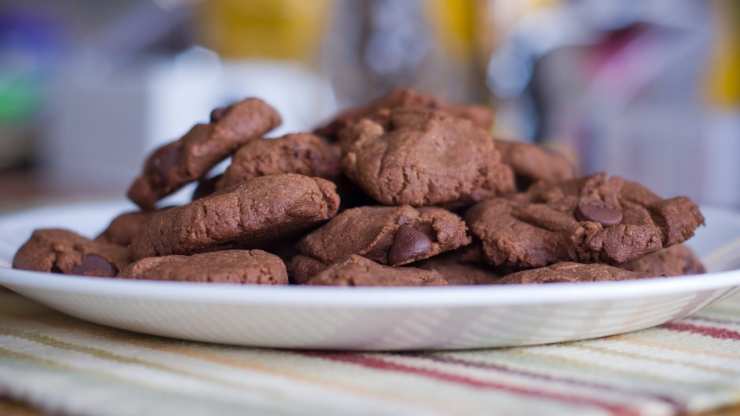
(60, 364)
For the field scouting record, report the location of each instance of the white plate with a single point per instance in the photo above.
(370, 318)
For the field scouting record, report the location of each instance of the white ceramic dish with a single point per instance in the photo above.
(370, 318)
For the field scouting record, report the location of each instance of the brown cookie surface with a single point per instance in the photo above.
(457, 271)
(531, 163)
(595, 219)
(481, 116)
(570, 272)
(302, 153)
(228, 266)
(62, 251)
(422, 158)
(387, 235)
(185, 160)
(123, 228)
(302, 268)
(359, 271)
(260, 211)
(672, 261)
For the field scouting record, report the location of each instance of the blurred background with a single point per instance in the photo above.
(648, 89)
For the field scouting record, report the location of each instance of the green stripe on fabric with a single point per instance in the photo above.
(215, 354)
(137, 396)
(558, 361)
(731, 308)
(670, 343)
(277, 396)
(634, 355)
(106, 355)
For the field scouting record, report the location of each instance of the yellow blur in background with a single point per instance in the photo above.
(277, 29)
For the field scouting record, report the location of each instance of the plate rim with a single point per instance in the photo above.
(480, 295)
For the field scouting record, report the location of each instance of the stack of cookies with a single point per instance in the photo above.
(406, 191)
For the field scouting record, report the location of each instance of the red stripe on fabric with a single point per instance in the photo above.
(380, 364)
(709, 331)
(676, 405)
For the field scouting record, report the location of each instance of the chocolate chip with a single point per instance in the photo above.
(409, 243)
(599, 200)
(598, 211)
(94, 265)
(218, 113)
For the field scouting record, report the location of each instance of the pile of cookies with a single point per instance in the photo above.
(406, 191)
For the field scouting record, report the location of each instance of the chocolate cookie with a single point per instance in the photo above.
(206, 187)
(423, 158)
(595, 219)
(673, 261)
(301, 153)
(62, 251)
(352, 196)
(125, 227)
(302, 268)
(175, 164)
(228, 266)
(257, 212)
(532, 163)
(481, 116)
(387, 235)
(457, 271)
(359, 271)
(570, 272)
